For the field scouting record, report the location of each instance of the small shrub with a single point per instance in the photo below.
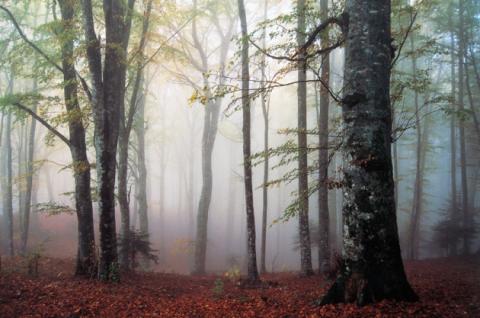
(218, 288)
(233, 274)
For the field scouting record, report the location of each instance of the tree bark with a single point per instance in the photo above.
(266, 164)
(210, 125)
(453, 147)
(141, 162)
(108, 95)
(303, 222)
(323, 212)
(417, 193)
(7, 184)
(252, 271)
(27, 199)
(373, 268)
(86, 256)
(461, 131)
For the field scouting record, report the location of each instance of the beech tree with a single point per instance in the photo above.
(252, 271)
(373, 268)
(108, 93)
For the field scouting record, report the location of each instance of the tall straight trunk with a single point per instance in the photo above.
(191, 185)
(86, 256)
(471, 102)
(416, 203)
(453, 147)
(373, 268)
(27, 193)
(461, 107)
(266, 165)
(21, 159)
(232, 203)
(7, 184)
(27, 201)
(252, 271)
(303, 223)
(163, 169)
(323, 212)
(142, 167)
(123, 196)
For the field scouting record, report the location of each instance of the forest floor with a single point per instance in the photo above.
(447, 288)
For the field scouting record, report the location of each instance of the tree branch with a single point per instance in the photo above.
(43, 122)
(43, 54)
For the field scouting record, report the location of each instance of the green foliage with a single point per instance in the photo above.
(137, 244)
(218, 288)
(53, 208)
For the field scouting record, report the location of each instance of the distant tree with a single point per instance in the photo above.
(7, 178)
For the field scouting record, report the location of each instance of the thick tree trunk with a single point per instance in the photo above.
(373, 268)
(303, 222)
(108, 93)
(252, 271)
(86, 257)
(323, 212)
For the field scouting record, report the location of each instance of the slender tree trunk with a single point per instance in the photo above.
(453, 147)
(231, 208)
(266, 165)
(125, 129)
(416, 203)
(142, 168)
(7, 185)
(323, 212)
(461, 106)
(304, 230)
(21, 160)
(163, 169)
(27, 201)
(210, 125)
(373, 268)
(252, 271)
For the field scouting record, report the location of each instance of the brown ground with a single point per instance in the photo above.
(447, 288)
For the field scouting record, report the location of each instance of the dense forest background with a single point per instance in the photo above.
(179, 182)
